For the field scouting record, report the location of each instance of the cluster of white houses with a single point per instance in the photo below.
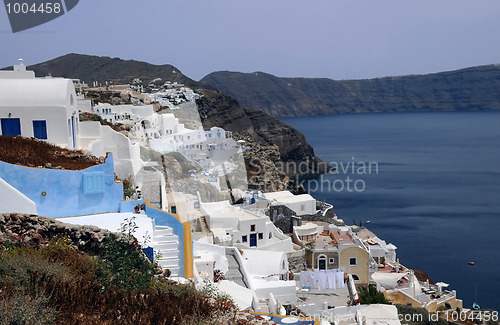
(240, 241)
(164, 133)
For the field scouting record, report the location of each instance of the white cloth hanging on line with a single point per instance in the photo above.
(313, 279)
(322, 280)
(339, 279)
(304, 278)
(331, 279)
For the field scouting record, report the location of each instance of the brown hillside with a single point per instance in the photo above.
(31, 152)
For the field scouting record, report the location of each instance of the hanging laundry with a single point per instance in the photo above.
(304, 278)
(339, 279)
(322, 280)
(313, 279)
(330, 274)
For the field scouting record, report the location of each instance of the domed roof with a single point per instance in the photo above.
(37, 92)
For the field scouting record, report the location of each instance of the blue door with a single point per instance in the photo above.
(11, 127)
(253, 240)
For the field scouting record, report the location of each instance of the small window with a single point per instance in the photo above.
(261, 235)
(331, 260)
(243, 239)
(252, 228)
(352, 261)
(302, 207)
(40, 129)
(355, 277)
(270, 235)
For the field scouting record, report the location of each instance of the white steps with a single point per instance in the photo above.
(167, 244)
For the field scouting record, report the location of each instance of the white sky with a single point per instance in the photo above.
(339, 39)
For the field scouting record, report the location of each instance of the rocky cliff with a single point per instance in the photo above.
(257, 127)
(468, 89)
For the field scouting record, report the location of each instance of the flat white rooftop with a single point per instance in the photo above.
(113, 222)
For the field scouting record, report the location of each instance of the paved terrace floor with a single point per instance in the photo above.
(333, 297)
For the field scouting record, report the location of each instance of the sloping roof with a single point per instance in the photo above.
(36, 92)
(387, 280)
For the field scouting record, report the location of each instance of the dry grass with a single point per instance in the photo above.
(58, 285)
(36, 153)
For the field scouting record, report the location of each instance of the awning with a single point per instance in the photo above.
(387, 280)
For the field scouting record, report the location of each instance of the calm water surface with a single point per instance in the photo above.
(435, 194)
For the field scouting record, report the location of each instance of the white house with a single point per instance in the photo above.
(244, 229)
(43, 108)
(303, 204)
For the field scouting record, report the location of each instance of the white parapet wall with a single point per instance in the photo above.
(98, 139)
(14, 201)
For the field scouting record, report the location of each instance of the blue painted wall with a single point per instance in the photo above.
(68, 193)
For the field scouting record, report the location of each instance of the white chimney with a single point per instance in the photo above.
(20, 67)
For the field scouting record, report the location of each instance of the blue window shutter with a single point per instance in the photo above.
(99, 183)
(93, 183)
(11, 126)
(40, 129)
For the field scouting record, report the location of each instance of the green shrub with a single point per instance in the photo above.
(124, 265)
(370, 295)
(60, 285)
(128, 189)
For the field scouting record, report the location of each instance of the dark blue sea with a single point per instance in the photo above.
(435, 193)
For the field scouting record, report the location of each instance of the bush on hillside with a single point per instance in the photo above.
(58, 284)
(369, 295)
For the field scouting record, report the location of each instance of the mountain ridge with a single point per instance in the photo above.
(473, 88)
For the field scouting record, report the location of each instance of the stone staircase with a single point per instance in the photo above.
(234, 274)
(167, 244)
(204, 225)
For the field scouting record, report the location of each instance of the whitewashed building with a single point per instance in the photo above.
(43, 108)
(241, 228)
(303, 204)
(163, 133)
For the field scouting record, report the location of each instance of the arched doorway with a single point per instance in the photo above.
(322, 264)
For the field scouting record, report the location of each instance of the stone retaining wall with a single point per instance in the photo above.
(35, 231)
